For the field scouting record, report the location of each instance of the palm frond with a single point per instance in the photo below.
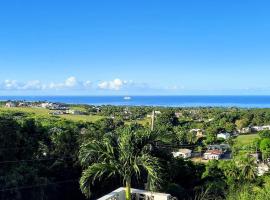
(94, 172)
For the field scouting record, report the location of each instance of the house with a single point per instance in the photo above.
(222, 147)
(245, 130)
(57, 106)
(58, 112)
(212, 154)
(260, 128)
(182, 153)
(75, 112)
(10, 104)
(23, 104)
(178, 114)
(45, 105)
(224, 136)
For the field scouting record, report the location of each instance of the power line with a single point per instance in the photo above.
(15, 148)
(33, 160)
(37, 185)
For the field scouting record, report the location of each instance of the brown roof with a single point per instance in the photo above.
(215, 152)
(185, 150)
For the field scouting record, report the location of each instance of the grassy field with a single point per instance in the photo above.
(246, 139)
(43, 113)
(85, 118)
(37, 111)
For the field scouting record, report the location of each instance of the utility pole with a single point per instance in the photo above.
(153, 120)
(147, 185)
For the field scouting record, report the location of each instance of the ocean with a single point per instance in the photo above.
(172, 101)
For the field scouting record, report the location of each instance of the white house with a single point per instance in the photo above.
(182, 153)
(245, 130)
(212, 154)
(10, 104)
(224, 136)
(260, 128)
(45, 105)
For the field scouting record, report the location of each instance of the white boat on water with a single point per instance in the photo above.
(127, 98)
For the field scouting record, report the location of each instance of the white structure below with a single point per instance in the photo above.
(224, 136)
(119, 194)
(182, 153)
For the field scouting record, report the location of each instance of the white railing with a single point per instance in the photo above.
(119, 194)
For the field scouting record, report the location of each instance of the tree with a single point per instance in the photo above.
(181, 134)
(242, 123)
(200, 149)
(126, 154)
(191, 137)
(231, 171)
(167, 118)
(264, 134)
(211, 135)
(248, 167)
(265, 147)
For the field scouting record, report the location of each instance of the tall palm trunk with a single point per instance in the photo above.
(128, 189)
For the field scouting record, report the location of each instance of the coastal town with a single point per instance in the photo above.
(223, 149)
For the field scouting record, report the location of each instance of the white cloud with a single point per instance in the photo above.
(115, 84)
(10, 85)
(32, 85)
(71, 82)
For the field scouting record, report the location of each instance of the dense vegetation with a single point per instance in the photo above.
(51, 157)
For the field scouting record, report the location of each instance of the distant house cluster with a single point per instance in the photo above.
(213, 152)
(55, 108)
(201, 133)
(251, 129)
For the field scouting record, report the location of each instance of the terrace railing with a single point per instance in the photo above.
(136, 194)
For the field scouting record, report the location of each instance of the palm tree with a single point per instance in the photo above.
(126, 153)
(248, 167)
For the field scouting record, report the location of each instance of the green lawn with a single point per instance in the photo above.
(42, 112)
(246, 139)
(36, 111)
(85, 118)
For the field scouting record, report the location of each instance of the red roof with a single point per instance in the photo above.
(215, 152)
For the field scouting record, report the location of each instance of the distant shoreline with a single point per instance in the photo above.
(242, 101)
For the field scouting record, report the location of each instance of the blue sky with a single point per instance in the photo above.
(125, 47)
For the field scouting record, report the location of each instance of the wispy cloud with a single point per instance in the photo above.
(115, 84)
(71, 83)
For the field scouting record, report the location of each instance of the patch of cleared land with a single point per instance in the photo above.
(246, 139)
(42, 112)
